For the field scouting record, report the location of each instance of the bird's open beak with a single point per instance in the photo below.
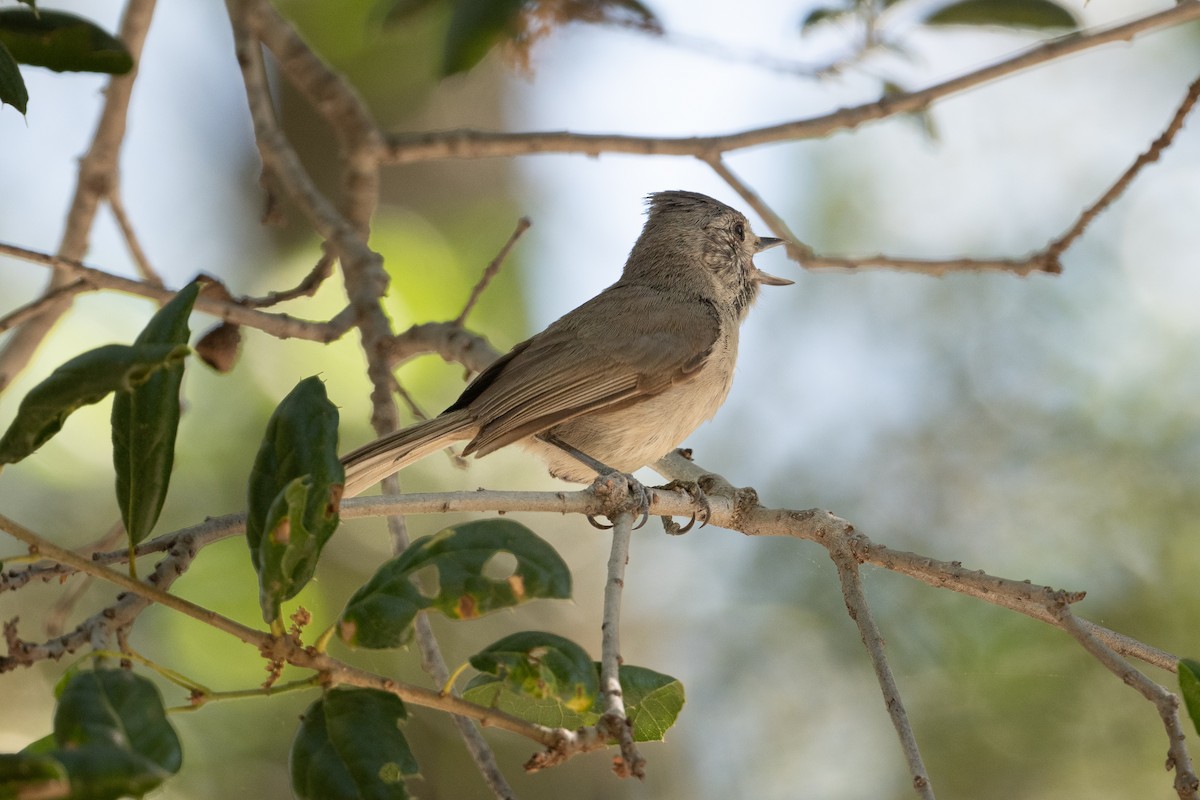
(765, 243)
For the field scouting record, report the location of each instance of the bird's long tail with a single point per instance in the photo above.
(373, 462)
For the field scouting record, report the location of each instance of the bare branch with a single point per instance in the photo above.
(860, 612)
(49, 298)
(282, 326)
(1059, 246)
(494, 267)
(144, 267)
(465, 143)
(97, 174)
(614, 723)
(1186, 783)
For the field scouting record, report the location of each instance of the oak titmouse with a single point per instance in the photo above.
(625, 377)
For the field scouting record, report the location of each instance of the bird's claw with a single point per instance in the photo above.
(641, 502)
(692, 490)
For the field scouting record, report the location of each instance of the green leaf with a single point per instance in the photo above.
(62, 42)
(349, 745)
(397, 11)
(32, 775)
(542, 665)
(118, 708)
(1039, 14)
(85, 379)
(476, 26)
(294, 494)
(1189, 687)
(12, 85)
(145, 421)
(652, 702)
(381, 612)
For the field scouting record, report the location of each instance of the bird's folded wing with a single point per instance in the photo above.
(569, 370)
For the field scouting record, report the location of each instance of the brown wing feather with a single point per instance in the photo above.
(541, 384)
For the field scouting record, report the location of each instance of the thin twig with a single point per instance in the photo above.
(307, 286)
(50, 297)
(614, 722)
(1186, 782)
(860, 612)
(97, 172)
(465, 143)
(797, 250)
(492, 268)
(53, 624)
(1059, 245)
(282, 326)
(145, 269)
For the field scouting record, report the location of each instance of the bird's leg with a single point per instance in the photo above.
(691, 489)
(639, 493)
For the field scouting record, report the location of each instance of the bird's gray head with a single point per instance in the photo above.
(693, 241)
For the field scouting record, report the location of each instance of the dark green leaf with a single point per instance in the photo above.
(294, 494)
(1006, 13)
(652, 702)
(41, 746)
(542, 665)
(381, 612)
(106, 772)
(349, 745)
(1189, 687)
(145, 421)
(12, 85)
(85, 379)
(62, 42)
(32, 775)
(24, 775)
(118, 708)
(476, 26)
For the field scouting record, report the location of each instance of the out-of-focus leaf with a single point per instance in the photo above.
(1038, 14)
(62, 42)
(476, 26)
(32, 775)
(116, 707)
(294, 494)
(111, 739)
(12, 85)
(542, 665)
(85, 379)
(823, 14)
(349, 746)
(1189, 687)
(381, 612)
(652, 702)
(145, 421)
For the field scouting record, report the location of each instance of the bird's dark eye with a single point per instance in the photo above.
(739, 228)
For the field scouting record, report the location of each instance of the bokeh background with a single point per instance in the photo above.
(1044, 428)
